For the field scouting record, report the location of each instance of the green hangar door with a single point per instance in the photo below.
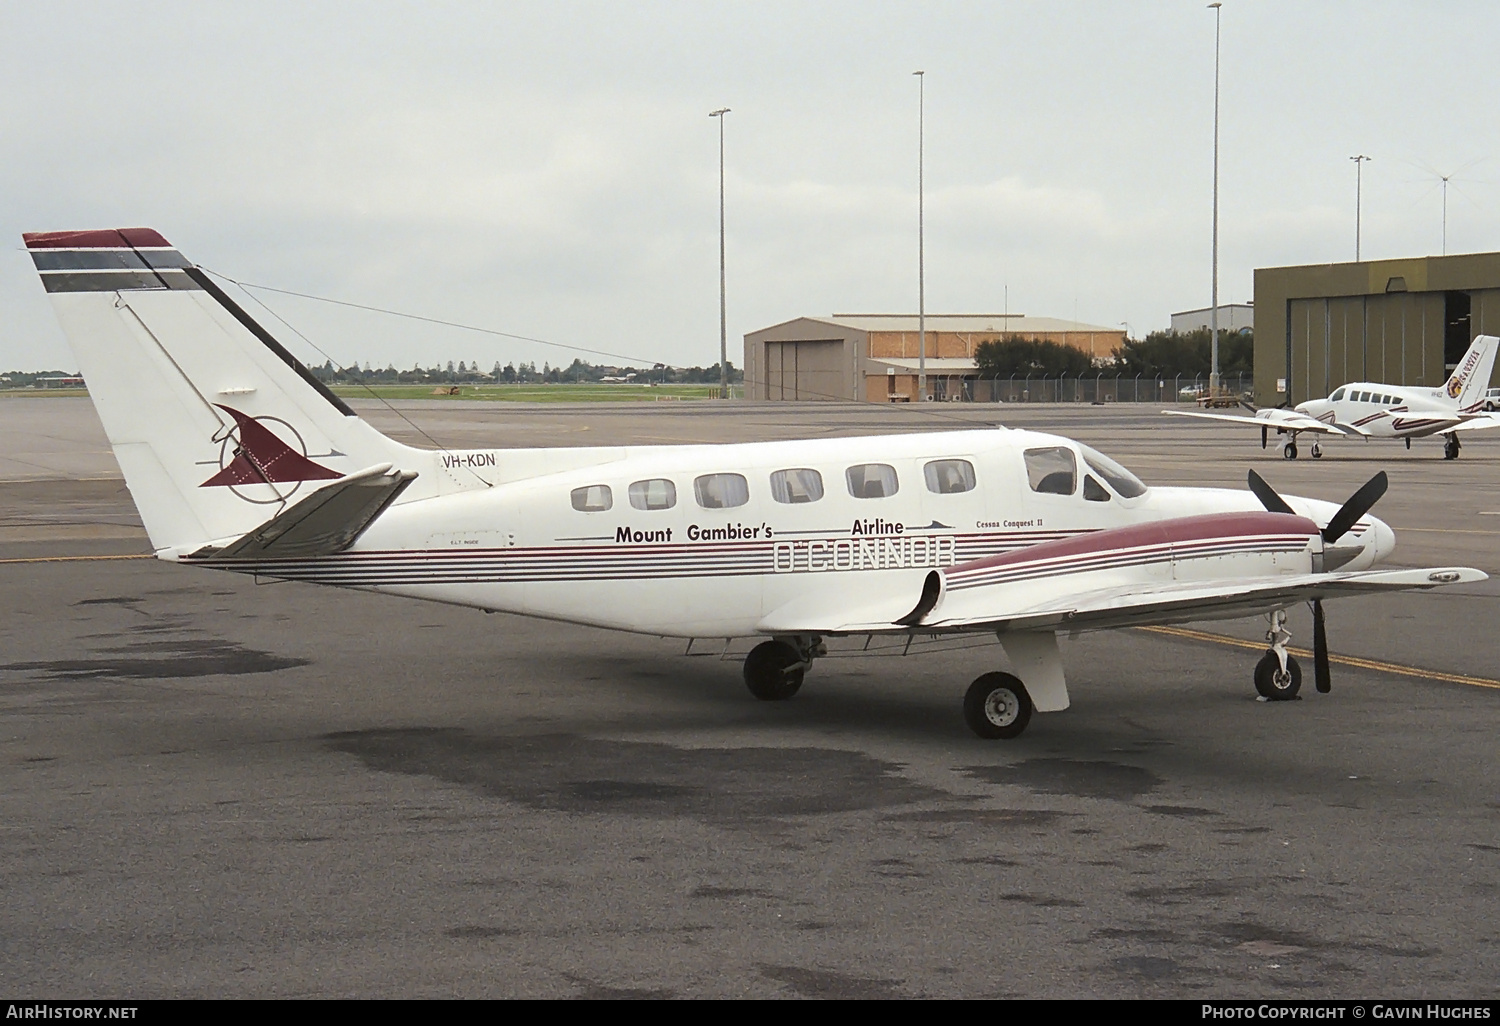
(807, 370)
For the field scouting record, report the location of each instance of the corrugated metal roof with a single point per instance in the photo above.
(1012, 323)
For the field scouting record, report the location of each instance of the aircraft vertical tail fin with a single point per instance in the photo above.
(216, 426)
(1471, 378)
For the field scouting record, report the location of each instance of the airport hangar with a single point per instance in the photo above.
(1399, 322)
(874, 357)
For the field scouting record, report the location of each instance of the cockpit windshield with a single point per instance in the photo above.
(1125, 484)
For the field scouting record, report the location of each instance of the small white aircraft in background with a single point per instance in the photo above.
(239, 459)
(1364, 409)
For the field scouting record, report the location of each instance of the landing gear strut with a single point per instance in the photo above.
(1450, 446)
(774, 669)
(1278, 678)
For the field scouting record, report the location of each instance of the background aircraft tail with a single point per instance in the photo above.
(1471, 378)
(214, 424)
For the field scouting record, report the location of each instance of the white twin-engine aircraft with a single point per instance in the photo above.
(240, 460)
(1365, 409)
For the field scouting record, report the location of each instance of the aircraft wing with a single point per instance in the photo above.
(1009, 608)
(324, 522)
(1182, 601)
(1286, 420)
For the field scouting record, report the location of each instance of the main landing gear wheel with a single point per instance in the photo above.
(773, 671)
(1450, 447)
(997, 706)
(1289, 451)
(1274, 684)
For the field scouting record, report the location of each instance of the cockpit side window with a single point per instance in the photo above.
(1052, 470)
(1125, 484)
(1093, 491)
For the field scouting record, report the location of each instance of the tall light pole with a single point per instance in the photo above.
(1213, 348)
(1445, 212)
(921, 242)
(723, 329)
(1359, 166)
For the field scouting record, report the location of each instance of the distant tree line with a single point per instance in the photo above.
(578, 372)
(25, 379)
(1161, 353)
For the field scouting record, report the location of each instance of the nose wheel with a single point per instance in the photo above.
(1278, 678)
(1317, 451)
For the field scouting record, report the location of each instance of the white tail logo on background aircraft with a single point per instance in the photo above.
(790, 543)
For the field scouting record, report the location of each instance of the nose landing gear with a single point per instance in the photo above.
(1278, 678)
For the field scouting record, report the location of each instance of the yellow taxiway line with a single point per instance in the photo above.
(1342, 660)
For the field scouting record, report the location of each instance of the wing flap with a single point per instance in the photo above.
(327, 521)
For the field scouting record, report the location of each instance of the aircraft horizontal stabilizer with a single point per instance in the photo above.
(1481, 422)
(327, 521)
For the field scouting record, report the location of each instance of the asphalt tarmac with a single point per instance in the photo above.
(212, 788)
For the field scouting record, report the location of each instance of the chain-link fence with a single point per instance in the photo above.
(1091, 388)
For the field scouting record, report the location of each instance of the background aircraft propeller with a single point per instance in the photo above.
(1339, 524)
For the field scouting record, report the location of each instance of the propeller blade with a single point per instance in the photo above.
(1358, 505)
(1320, 649)
(1263, 431)
(1267, 495)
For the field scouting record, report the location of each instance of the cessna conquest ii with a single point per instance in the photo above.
(240, 460)
(1365, 409)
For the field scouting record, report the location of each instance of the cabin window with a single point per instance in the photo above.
(1395, 400)
(657, 493)
(1125, 484)
(872, 480)
(1337, 395)
(721, 491)
(1093, 491)
(592, 498)
(1052, 470)
(1364, 397)
(946, 477)
(793, 486)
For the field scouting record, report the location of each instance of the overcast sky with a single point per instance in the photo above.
(550, 170)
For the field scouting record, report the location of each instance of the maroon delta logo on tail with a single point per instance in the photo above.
(262, 458)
